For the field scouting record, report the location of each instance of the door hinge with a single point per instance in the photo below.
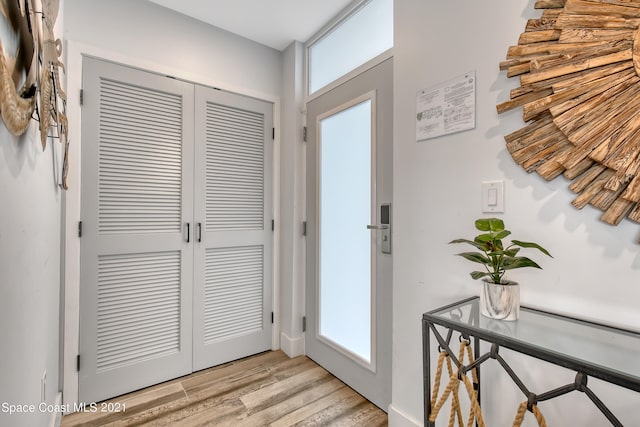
(78, 363)
(304, 228)
(273, 225)
(272, 317)
(81, 96)
(79, 228)
(273, 133)
(304, 133)
(304, 323)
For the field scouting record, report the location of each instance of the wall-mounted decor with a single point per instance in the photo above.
(579, 68)
(36, 63)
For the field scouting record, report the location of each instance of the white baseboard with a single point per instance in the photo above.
(56, 416)
(292, 347)
(398, 419)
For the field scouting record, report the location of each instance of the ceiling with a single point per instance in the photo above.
(274, 23)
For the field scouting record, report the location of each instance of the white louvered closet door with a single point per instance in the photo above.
(137, 198)
(233, 236)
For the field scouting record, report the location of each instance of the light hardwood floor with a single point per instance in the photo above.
(268, 389)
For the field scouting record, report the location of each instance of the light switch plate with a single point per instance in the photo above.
(493, 197)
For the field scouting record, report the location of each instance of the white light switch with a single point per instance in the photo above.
(493, 196)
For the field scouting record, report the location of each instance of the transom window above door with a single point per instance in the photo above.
(359, 36)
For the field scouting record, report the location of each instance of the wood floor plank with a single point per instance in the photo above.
(134, 403)
(211, 396)
(280, 390)
(271, 414)
(328, 415)
(230, 384)
(230, 371)
(269, 389)
(359, 415)
(218, 415)
(310, 409)
(290, 367)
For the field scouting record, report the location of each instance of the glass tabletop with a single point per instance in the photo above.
(606, 349)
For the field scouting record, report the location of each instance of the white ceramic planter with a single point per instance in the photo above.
(500, 301)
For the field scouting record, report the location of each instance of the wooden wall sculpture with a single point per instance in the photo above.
(579, 68)
(37, 63)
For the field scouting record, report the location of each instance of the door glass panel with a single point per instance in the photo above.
(355, 40)
(345, 242)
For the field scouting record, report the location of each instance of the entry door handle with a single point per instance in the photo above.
(378, 227)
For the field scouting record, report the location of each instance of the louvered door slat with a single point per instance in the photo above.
(144, 298)
(162, 155)
(235, 160)
(233, 292)
(131, 116)
(122, 161)
(144, 140)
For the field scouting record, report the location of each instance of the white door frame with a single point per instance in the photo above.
(71, 198)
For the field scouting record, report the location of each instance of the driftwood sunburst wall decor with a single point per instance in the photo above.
(579, 71)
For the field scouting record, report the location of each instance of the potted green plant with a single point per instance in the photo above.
(499, 298)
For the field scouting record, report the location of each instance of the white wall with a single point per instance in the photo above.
(30, 235)
(30, 275)
(596, 267)
(156, 35)
(292, 203)
(148, 36)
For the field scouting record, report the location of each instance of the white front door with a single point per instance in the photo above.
(349, 206)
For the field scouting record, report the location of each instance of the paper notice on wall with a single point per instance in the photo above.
(447, 108)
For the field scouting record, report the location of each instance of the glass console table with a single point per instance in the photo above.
(590, 349)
